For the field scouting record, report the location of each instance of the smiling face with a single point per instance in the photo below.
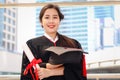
(50, 21)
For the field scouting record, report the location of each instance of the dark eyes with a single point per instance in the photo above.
(46, 17)
(55, 17)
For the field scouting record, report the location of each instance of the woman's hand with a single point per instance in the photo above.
(45, 72)
(50, 66)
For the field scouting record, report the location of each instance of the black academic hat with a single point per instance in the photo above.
(61, 55)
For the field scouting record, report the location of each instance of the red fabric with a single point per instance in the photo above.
(84, 67)
(30, 66)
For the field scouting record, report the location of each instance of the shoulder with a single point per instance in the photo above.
(78, 45)
(36, 40)
(64, 36)
(68, 38)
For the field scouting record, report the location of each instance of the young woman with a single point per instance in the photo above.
(50, 17)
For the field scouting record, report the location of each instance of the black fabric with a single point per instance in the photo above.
(63, 55)
(38, 46)
(68, 57)
(42, 65)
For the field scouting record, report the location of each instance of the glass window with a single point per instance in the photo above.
(8, 36)
(13, 38)
(4, 35)
(3, 44)
(13, 14)
(8, 46)
(4, 26)
(4, 18)
(13, 47)
(9, 20)
(13, 22)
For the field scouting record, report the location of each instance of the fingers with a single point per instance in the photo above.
(40, 74)
(44, 73)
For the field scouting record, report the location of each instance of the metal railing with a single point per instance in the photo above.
(89, 76)
(9, 77)
(104, 76)
(100, 64)
(87, 3)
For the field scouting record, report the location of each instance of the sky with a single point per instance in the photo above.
(26, 24)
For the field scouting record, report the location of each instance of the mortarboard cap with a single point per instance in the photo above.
(61, 55)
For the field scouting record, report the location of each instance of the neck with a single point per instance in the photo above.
(52, 35)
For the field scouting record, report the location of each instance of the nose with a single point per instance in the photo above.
(51, 20)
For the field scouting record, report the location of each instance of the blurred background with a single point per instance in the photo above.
(94, 23)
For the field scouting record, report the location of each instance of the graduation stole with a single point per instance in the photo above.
(33, 63)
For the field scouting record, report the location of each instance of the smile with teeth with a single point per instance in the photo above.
(51, 26)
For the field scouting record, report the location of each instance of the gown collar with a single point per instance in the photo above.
(51, 39)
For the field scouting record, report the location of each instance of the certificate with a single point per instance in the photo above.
(33, 62)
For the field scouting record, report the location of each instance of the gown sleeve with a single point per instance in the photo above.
(76, 71)
(25, 62)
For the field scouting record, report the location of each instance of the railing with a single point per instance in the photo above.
(88, 3)
(9, 77)
(104, 76)
(100, 64)
(90, 76)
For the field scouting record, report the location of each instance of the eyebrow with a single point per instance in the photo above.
(49, 15)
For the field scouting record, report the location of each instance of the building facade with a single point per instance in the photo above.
(105, 15)
(8, 27)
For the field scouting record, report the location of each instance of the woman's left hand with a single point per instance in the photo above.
(45, 72)
(50, 66)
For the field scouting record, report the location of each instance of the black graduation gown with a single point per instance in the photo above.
(38, 46)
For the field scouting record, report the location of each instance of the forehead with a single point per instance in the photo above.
(51, 11)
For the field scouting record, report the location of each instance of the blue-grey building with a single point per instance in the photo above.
(117, 37)
(8, 27)
(102, 13)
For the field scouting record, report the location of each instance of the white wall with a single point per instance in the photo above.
(103, 55)
(10, 62)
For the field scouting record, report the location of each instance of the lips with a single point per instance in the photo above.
(51, 26)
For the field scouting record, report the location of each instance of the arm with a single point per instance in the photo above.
(50, 66)
(45, 72)
(25, 62)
